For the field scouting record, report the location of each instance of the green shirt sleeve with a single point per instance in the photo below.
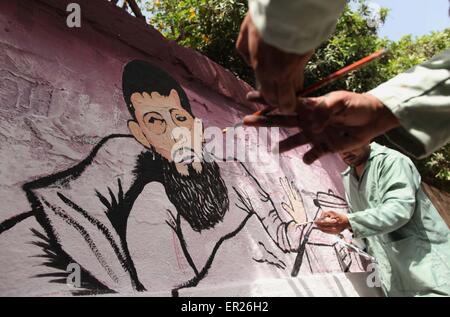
(295, 26)
(397, 187)
(420, 99)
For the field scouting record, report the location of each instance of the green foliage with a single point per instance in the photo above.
(439, 165)
(209, 26)
(212, 26)
(436, 168)
(352, 40)
(410, 51)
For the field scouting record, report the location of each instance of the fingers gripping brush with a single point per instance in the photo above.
(314, 87)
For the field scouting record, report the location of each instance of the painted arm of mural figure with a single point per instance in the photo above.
(286, 234)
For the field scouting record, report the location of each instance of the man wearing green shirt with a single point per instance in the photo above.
(401, 227)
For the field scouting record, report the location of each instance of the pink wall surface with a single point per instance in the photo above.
(73, 191)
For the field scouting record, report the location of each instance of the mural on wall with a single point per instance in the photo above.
(195, 208)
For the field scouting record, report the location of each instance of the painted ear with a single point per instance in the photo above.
(136, 98)
(174, 95)
(136, 131)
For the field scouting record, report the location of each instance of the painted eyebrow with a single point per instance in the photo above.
(150, 112)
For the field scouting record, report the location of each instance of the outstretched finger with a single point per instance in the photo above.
(285, 186)
(293, 141)
(287, 121)
(317, 151)
(242, 40)
(255, 96)
(287, 208)
(294, 190)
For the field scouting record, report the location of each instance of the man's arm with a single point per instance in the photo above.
(295, 26)
(277, 39)
(420, 99)
(412, 109)
(398, 184)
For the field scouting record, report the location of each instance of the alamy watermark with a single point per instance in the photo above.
(373, 278)
(373, 11)
(73, 19)
(243, 144)
(73, 279)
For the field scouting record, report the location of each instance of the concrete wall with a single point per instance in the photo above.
(81, 193)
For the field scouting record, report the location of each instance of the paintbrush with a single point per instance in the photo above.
(314, 87)
(311, 221)
(305, 223)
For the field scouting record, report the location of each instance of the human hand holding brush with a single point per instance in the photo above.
(339, 121)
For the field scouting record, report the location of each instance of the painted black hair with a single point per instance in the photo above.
(140, 76)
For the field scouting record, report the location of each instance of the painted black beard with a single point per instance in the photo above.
(200, 198)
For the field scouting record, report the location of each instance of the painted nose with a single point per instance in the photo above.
(179, 134)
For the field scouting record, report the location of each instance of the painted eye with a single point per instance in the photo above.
(181, 118)
(153, 120)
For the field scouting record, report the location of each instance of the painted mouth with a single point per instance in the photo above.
(184, 156)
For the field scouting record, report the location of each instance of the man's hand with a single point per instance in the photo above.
(278, 74)
(339, 121)
(332, 222)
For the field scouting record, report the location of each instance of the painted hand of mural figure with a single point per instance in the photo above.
(335, 122)
(279, 74)
(286, 234)
(332, 222)
(294, 206)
